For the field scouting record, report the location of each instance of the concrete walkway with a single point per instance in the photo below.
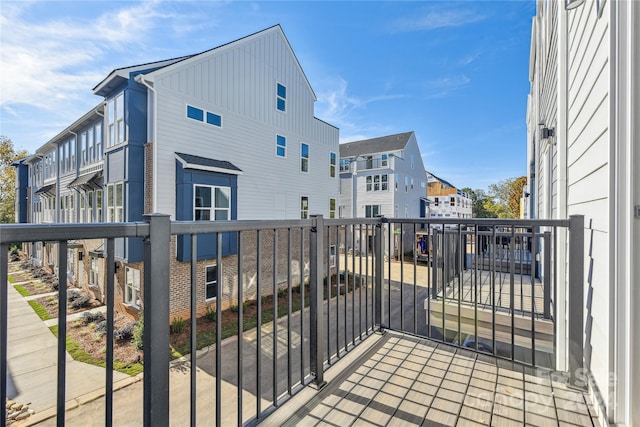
(32, 355)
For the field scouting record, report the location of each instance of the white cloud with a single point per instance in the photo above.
(440, 87)
(340, 108)
(433, 19)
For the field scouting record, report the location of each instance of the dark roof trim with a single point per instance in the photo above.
(189, 161)
(46, 189)
(442, 180)
(375, 145)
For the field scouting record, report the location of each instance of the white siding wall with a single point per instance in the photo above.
(238, 82)
(588, 172)
(410, 198)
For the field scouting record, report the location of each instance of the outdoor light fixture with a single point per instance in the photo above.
(572, 4)
(548, 133)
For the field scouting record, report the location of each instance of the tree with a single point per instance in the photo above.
(8, 155)
(502, 200)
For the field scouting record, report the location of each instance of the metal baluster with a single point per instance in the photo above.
(193, 332)
(110, 318)
(4, 325)
(240, 329)
(402, 276)
(259, 324)
(415, 281)
(274, 298)
(512, 268)
(219, 330)
(302, 306)
(289, 308)
(62, 329)
(492, 287)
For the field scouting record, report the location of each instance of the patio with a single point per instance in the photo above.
(404, 380)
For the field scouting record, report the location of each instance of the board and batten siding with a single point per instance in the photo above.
(589, 180)
(238, 82)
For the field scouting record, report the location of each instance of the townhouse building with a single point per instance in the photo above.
(446, 200)
(583, 121)
(383, 176)
(225, 134)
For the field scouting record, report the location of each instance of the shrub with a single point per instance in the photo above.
(101, 327)
(210, 314)
(125, 333)
(178, 325)
(89, 317)
(54, 285)
(282, 293)
(138, 334)
(78, 300)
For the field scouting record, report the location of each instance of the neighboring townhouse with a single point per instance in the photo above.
(583, 116)
(225, 134)
(382, 176)
(446, 200)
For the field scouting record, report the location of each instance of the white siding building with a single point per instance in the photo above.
(446, 200)
(248, 103)
(583, 132)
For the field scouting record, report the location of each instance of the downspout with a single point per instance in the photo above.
(562, 146)
(151, 136)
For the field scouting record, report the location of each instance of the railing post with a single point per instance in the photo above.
(547, 276)
(156, 321)
(316, 345)
(4, 308)
(576, 300)
(378, 258)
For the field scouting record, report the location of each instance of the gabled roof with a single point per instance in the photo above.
(442, 180)
(276, 27)
(375, 145)
(189, 161)
(121, 75)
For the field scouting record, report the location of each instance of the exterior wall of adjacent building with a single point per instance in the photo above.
(238, 82)
(584, 80)
(447, 202)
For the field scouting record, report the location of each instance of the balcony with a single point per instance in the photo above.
(463, 329)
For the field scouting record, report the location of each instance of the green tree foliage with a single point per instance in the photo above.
(502, 200)
(8, 155)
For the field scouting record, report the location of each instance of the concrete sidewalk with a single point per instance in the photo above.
(32, 358)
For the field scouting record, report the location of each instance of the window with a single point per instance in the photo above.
(83, 212)
(412, 161)
(281, 97)
(371, 211)
(89, 207)
(304, 157)
(98, 205)
(94, 274)
(72, 154)
(114, 203)
(452, 201)
(84, 153)
(344, 165)
(71, 262)
(412, 183)
(115, 120)
(332, 164)
(406, 184)
(304, 207)
(132, 287)
(211, 282)
(98, 155)
(384, 160)
(195, 113)
(397, 180)
(214, 119)
(332, 208)
(211, 203)
(377, 183)
(436, 201)
(332, 256)
(281, 146)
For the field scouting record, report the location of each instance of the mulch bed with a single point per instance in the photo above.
(95, 343)
(50, 304)
(35, 288)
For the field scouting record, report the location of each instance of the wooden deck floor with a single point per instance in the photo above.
(407, 381)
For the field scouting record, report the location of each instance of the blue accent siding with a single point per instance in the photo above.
(207, 243)
(22, 182)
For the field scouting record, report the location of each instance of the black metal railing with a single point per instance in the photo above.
(354, 265)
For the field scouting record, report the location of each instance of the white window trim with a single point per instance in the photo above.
(302, 210)
(212, 209)
(334, 165)
(285, 147)
(278, 97)
(335, 204)
(134, 300)
(207, 283)
(204, 116)
(118, 139)
(307, 158)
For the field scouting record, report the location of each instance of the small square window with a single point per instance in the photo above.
(281, 146)
(214, 119)
(195, 113)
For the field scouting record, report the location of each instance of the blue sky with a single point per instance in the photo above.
(456, 73)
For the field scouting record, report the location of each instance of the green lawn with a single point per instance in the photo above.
(40, 310)
(11, 279)
(22, 290)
